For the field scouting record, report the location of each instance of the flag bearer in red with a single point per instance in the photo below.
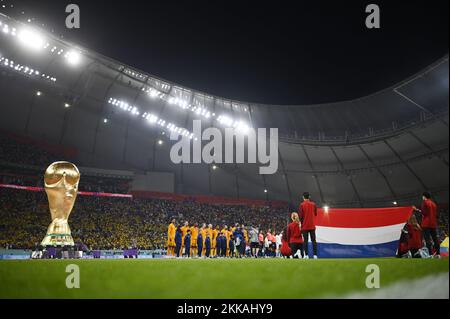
(294, 236)
(307, 212)
(285, 249)
(429, 224)
(415, 240)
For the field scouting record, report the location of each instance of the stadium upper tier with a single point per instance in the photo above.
(79, 74)
(375, 149)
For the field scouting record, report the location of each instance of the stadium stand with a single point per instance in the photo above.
(443, 221)
(116, 223)
(23, 150)
(119, 223)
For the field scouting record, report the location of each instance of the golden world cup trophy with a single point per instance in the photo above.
(61, 185)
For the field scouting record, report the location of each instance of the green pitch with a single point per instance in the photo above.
(214, 278)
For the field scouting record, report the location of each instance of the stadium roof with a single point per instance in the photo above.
(383, 147)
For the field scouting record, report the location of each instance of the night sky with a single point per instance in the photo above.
(268, 52)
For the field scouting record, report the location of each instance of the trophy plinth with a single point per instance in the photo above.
(61, 185)
(58, 234)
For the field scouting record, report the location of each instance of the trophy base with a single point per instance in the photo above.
(52, 252)
(58, 240)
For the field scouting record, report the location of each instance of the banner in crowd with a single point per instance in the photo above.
(365, 232)
(40, 189)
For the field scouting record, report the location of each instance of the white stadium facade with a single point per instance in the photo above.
(377, 150)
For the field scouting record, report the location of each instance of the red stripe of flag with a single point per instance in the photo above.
(363, 217)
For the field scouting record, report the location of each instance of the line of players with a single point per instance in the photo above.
(206, 241)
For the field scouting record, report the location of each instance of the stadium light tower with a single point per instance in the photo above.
(31, 39)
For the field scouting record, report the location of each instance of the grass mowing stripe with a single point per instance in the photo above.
(212, 278)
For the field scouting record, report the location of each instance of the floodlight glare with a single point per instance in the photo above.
(73, 57)
(31, 39)
(241, 127)
(152, 118)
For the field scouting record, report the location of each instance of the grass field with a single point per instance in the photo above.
(215, 278)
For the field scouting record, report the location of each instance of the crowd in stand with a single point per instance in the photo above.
(99, 222)
(118, 223)
(24, 153)
(443, 223)
(16, 151)
(105, 185)
(34, 177)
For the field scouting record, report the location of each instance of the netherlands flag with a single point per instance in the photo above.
(357, 233)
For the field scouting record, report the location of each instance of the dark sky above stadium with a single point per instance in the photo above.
(281, 52)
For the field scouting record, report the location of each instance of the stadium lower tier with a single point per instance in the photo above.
(102, 223)
(120, 223)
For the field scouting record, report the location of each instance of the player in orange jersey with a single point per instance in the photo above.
(171, 238)
(194, 235)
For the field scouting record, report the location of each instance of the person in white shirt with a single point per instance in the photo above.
(266, 246)
(278, 244)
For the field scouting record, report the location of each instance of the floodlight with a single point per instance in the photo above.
(152, 118)
(241, 127)
(73, 57)
(225, 120)
(31, 39)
